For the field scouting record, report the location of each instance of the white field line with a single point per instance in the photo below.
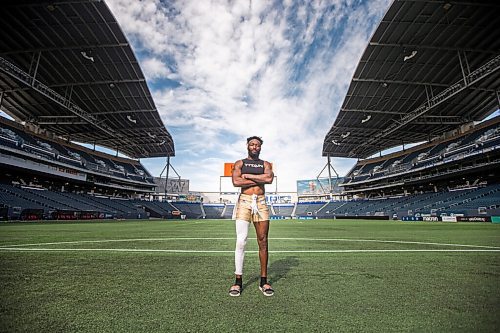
(21, 249)
(232, 238)
(120, 240)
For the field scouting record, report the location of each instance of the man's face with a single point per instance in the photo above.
(254, 147)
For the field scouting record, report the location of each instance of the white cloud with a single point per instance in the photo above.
(248, 69)
(154, 68)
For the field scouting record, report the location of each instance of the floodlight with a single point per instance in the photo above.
(84, 54)
(411, 55)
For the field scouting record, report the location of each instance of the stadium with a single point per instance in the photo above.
(92, 241)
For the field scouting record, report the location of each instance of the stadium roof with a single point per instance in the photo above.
(68, 68)
(430, 67)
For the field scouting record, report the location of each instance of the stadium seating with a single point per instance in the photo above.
(18, 205)
(228, 211)
(308, 208)
(192, 210)
(284, 210)
(427, 155)
(16, 139)
(467, 201)
(213, 211)
(158, 209)
(25, 198)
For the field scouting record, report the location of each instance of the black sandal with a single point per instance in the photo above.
(267, 291)
(235, 290)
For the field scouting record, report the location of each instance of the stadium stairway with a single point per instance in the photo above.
(322, 207)
(155, 210)
(228, 211)
(204, 215)
(214, 211)
(38, 197)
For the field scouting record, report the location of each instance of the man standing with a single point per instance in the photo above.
(251, 174)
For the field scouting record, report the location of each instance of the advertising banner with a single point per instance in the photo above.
(318, 186)
(275, 199)
(174, 185)
(449, 218)
(474, 219)
(189, 198)
(412, 218)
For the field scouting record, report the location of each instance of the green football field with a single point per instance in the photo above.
(174, 276)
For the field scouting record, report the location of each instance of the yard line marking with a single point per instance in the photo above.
(390, 241)
(275, 238)
(122, 240)
(21, 249)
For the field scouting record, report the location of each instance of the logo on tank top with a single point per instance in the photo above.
(253, 165)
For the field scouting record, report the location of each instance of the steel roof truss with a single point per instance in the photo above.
(382, 81)
(477, 75)
(41, 88)
(95, 83)
(430, 47)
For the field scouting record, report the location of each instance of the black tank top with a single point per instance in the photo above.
(254, 167)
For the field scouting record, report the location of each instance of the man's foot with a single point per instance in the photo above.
(267, 290)
(235, 290)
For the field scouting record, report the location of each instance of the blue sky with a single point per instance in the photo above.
(221, 71)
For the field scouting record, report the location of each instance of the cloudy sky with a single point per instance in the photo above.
(222, 70)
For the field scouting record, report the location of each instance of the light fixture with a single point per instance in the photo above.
(111, 85)
(368, 117)
(84, 54)
(345, 135)
(447, 6)
(161, 143)
(384, 84)
(335, 143)
(132, 119)
(411, 55)
(151, 135)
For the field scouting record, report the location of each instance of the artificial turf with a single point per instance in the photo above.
(117, 277)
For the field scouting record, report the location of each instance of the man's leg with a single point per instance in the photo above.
(241, 242)
(239, 256)
(262, 230)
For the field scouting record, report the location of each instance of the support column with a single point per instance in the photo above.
(330, 168)
(166, 177)
(36, 69)
(330, 175)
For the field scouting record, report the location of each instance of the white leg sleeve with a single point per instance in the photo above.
(241, 241)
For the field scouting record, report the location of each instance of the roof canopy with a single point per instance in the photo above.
(68, 68)
(430, 67)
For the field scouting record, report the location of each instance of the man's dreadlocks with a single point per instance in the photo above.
(256, 138)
